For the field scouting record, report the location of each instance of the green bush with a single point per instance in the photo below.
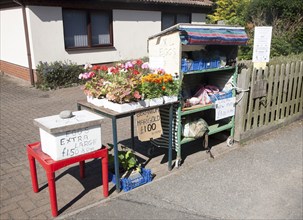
(57, 74)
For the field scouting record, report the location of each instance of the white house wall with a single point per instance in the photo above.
(47, 39)
(131, 31)
(45, 33)
(12, 38)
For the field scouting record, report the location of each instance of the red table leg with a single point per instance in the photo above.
(52, 193)
(82, 169)
(104, 162)
(32, 165)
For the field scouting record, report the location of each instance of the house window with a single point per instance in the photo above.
(170, 19)
(87, 28)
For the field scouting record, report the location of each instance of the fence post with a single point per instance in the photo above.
(243, 83)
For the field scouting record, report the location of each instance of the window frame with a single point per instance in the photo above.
(88, 13)
(175, 14)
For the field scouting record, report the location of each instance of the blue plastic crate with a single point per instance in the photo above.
(202, 65)
(215, 62)
(215, 97)
(132, 182)
(196, 66)
(185, 65)
(207, 64)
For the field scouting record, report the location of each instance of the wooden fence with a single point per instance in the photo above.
(274, 99)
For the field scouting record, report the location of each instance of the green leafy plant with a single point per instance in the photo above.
(57, 74)
(124, 88)
(127, 159)
(159, 84)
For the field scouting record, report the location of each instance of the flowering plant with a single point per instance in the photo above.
(96, 84)
(159, 84)
(119, 83)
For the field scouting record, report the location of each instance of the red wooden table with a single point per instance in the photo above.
(34, 153)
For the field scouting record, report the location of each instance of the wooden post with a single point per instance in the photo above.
(243, 82)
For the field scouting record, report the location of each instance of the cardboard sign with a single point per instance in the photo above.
(149, 124)
(225, 108)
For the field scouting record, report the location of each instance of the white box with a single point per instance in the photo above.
(65, 138)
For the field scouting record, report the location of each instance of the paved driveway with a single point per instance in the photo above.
(170, 192)
(20, 104)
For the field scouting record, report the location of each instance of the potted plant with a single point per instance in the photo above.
(131, 173)
(96, 83)
(127, 160)
(157, 85)
(171, 88)
(119, 84)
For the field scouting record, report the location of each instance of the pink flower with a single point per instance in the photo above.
(137, 95)
(160, 71)
(87, 66)
(86, 75)
(91, 74)
(145, 65)
(128, 65)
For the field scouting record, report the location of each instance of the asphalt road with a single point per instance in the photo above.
(259, 180)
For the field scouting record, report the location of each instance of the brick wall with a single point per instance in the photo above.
(15, 70)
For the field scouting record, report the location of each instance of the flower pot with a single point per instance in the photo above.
(89, 99)
(96, 101)
(156, 101)
(169, 99)
(125, 107)
(144, 103)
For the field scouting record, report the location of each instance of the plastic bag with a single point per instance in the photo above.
(201, 96)
(195, 128)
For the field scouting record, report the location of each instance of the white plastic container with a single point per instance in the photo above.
(70, 137)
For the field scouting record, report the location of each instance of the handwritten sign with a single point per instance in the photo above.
(262, 42)
(71, 143)
(149, 124)
(76, 142)
(225, 108)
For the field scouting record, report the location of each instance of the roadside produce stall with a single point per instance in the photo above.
(134, 90)
(203, 57)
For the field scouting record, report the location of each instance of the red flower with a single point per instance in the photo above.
(103, 68)
(114, 70)
(136, 72)
(139, 62)
(96, 67)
